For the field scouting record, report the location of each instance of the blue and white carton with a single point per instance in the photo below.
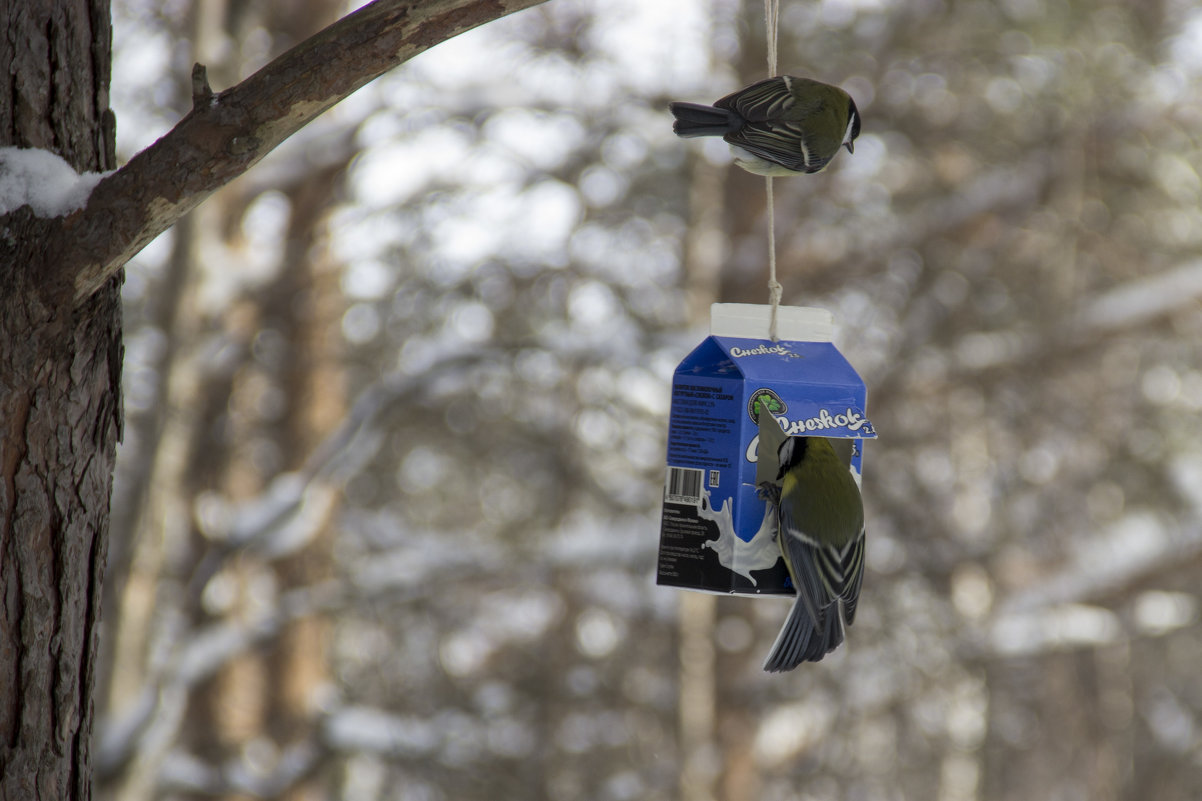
(716, 533)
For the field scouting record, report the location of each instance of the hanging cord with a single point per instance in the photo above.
(774, 287)
(771, 19)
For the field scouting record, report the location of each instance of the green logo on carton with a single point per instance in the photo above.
(765, 398)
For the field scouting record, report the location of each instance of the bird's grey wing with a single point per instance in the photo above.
(853, 571)
(814, 627)
(811, 568)
(765, 100)
(780, 144)
(810, 146)
(825, 632)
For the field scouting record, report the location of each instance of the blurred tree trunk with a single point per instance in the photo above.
(744, 279)
(264, 696)
(307, 310)
(705, 251)
(726, 227)
(289, 332)
(269, 694)
(60, 412)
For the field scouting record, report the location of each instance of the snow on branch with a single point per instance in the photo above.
(44, 181)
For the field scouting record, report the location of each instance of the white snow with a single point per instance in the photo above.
(42, 180)
(1144, 298)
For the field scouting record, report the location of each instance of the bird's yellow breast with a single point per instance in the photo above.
(823, 499)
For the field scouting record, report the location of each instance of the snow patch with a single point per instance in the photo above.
(44, 181)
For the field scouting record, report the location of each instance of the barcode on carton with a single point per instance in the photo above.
(684, 485)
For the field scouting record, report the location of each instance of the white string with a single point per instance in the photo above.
(774, 287)
(771, 19)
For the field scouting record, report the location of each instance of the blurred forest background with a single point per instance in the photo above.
(386, 513)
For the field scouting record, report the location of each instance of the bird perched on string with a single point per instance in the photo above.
(820, 528)
(779, 126)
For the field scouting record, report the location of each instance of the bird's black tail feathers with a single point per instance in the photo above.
(800, 640)
(694, 119)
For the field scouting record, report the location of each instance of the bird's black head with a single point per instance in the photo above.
(792, 451)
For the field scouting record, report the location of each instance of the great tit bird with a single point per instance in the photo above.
(779, 126)
(820, 528)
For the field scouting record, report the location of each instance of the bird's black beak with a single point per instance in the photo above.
(851, 148)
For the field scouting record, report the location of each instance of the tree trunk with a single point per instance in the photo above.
(60, 412)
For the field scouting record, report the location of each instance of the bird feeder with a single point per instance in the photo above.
(716, 533)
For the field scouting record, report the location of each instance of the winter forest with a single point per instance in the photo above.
(386, 508)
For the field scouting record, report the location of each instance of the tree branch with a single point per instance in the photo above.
(222, 138)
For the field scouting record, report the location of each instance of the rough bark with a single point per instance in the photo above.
(60, 402)
(60, 418)
(54, 74)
